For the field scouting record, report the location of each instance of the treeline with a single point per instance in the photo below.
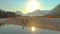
(7, 14)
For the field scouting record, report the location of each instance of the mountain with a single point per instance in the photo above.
(19, 12)
(55, 11)
(38, 13)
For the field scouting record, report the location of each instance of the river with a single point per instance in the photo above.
(17, 29)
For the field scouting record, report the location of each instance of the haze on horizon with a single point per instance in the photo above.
(20, 5)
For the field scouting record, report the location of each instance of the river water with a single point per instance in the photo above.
(17, 29)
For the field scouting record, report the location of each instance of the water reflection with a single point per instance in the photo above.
(17, 29)
(33, 28)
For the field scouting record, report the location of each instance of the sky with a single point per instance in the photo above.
(20, 5)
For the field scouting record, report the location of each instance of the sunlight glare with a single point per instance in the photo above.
(32, 5)
(33, 28)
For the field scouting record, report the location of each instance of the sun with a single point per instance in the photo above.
(32, 5)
